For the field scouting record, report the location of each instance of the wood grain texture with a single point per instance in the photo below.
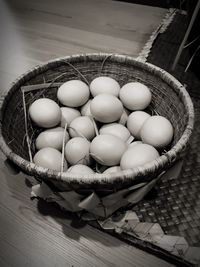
(36, 31)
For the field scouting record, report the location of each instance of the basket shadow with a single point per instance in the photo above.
(72, 226)
(69, 221)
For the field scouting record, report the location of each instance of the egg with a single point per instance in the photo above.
(106, 108)
(80, 169)
(124, 117)
(77, 151)
(135, 121)
(73, 93)
(51, 138)
(82, 126)
(107, 149)
(135, 96)
(138, 155)
(134, 144)
(157, 131)
(68, 115)
(115, 129)
(113, 169)
(45, 112)
(85, 109)
(104, 85)
(50, 158)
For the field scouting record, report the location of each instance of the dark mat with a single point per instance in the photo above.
(175, 203)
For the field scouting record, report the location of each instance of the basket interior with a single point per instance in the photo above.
(166, 101)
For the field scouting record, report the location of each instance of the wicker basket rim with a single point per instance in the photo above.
(111, 178)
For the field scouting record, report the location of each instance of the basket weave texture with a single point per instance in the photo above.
(170, 99)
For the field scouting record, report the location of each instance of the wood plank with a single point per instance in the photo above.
(107, 17)
(82, 38)
(37, 31)
(5, 80)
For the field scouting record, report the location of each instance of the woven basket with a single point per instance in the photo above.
(170, 99)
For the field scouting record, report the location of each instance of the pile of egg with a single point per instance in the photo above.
(100, 122)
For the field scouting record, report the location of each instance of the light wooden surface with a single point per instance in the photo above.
(36, 31)
(34, 233)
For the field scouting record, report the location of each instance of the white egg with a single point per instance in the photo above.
(50, 158)
(134, 144)
(138, 155)
(135, 121)
(73, 93)
(85, 109)
(124, 117)
(113, 169)
(77, 151)
(82, 126)
(157, 131)
(51, 138)
(104, 85)
(107, 149)
(68, 115)
(45, 112)
(80, 169)
(106, 108)
(135, 96)
(115, 129)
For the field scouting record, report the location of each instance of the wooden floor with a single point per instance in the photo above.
(34, 233)
(36, 31)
